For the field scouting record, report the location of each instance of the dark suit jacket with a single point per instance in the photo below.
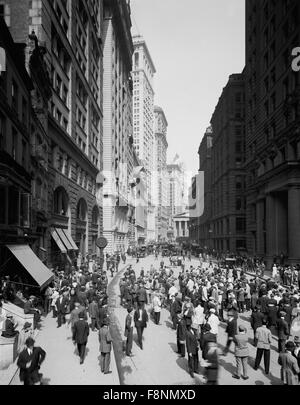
(28, 308)
(181, 330)
(141, 295)
(37, 357)
(206, 337)
(231, 328)
(191, 342)
(143, 322)
(256, 319)
(282, 329)
(102, 315)
(62, 307)
(80, 331)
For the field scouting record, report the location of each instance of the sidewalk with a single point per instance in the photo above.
(61, 366)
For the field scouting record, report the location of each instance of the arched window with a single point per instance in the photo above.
(82, 210)
(61, 201)
(95, 216)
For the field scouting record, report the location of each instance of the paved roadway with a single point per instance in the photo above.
(158, 362)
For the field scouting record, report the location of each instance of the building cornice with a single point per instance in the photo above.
(138, 40)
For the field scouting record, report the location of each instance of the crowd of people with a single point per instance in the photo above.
(200, 298)
(203, 297)
(73, 298)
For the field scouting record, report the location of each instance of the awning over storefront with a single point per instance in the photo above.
(63, 239)
(70, 239)
(58, 241)
(38, 271)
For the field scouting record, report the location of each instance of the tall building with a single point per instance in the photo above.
(201, 227)
(69, 34)
(272, 122)
(117, 132)
(161, 146)
(228, 217)
(175, 195)
(18, 220)
(143, 121)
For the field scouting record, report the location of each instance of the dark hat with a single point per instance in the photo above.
(282, 313)
(207, 327)
(27, 325)
(290, 345)
(242, 328)
(81, 315)
(29, 342)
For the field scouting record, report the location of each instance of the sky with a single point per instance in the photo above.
(195, 45)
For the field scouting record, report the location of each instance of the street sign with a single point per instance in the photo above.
(101, 242)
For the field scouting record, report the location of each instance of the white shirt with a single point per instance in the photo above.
(198, 317)
(172, 291)
(213, 321)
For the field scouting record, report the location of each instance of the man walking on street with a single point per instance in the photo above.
(231, 331)
(129, 331)
(192, 351)
(80, 335)
(241, 354)
(283, 332)
(94, 314)
(140, 321)
(264, 340)
(256, 321)
(105, 340)
(29, 362)
(181, 336)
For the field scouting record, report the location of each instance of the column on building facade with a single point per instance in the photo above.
(271, 225)
(281, 223)
(259, 227)
(294, 223)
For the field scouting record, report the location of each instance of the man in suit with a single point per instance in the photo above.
(80, 335)
(206, 338)
(192, 351)
(29, 362)
(140, 321)
(129, 331)
(61, 308)
(181, 335)
(296, 352)
(9, 327)
(105, 340)
(283, 331)
(102, 314)
(264, 340)
(29, 309)
(231, 331)
(256, 321)
(74, 316)
(94, 314)
(141, 296)
(289, 367)
(175, 309)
